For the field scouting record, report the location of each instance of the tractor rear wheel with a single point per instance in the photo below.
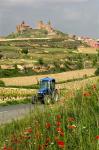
(55, 96)
(47, 99)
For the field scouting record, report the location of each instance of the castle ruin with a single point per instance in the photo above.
(22, 27)
(48, 27)
(40, 25)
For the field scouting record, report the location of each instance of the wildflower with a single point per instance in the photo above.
(28, 131)
(58, 117)
(48, 125)
(47, 140)
(60, 144)
(71, 127)
(52, 143)
(87, 94)
(58, 129)
(41, 147)
(4, 148)
(71, 119)
(49, 115)
(84, 127)
(94, 87)
(58, 123)
(62, 134)
(97, 137)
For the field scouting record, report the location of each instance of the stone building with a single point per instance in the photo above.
(22, 27)
(48, 27)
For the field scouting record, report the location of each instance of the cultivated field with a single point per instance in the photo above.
(30, 80)
(87, 50)
(11, 95)
(19, 95)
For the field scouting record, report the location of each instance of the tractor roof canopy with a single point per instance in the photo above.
(48, 79)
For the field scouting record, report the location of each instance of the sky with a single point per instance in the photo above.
(80, 17)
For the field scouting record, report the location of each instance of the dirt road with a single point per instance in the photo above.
(30, 80)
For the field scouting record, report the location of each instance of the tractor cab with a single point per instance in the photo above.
(47, 85)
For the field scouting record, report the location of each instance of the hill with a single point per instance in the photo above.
(42, 30)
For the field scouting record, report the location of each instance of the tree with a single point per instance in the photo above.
(94, 61)
(80, 64)
(97, 72)
(98, 52)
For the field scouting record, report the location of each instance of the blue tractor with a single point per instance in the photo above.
(47, 92)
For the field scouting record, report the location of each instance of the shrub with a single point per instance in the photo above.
(97, 72)
(25, 51)
(1, 56)
(40, 61)
(2, 83)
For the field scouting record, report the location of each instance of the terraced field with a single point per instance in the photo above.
(30, 80)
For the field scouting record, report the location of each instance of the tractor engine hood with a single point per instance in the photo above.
(42, 91)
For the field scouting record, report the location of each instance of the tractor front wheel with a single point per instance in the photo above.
(34, 99)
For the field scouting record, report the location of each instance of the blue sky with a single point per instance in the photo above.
(80, 17)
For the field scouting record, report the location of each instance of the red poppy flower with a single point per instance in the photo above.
(94, 86)
(58, 117)
(4, 148)
(48, 125)
(60, 144)
(87, 94)
(28, 130)
(58, 123)
(62, 134)
(59, 129)
(71, 127)
(71, 119)
(97, 137)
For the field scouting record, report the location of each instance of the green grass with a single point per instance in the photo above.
(74, 123)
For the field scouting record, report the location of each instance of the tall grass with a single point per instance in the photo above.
(68, 125)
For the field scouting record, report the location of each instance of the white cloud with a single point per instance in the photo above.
(11, 3)
(72, 16)
(40, 1)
